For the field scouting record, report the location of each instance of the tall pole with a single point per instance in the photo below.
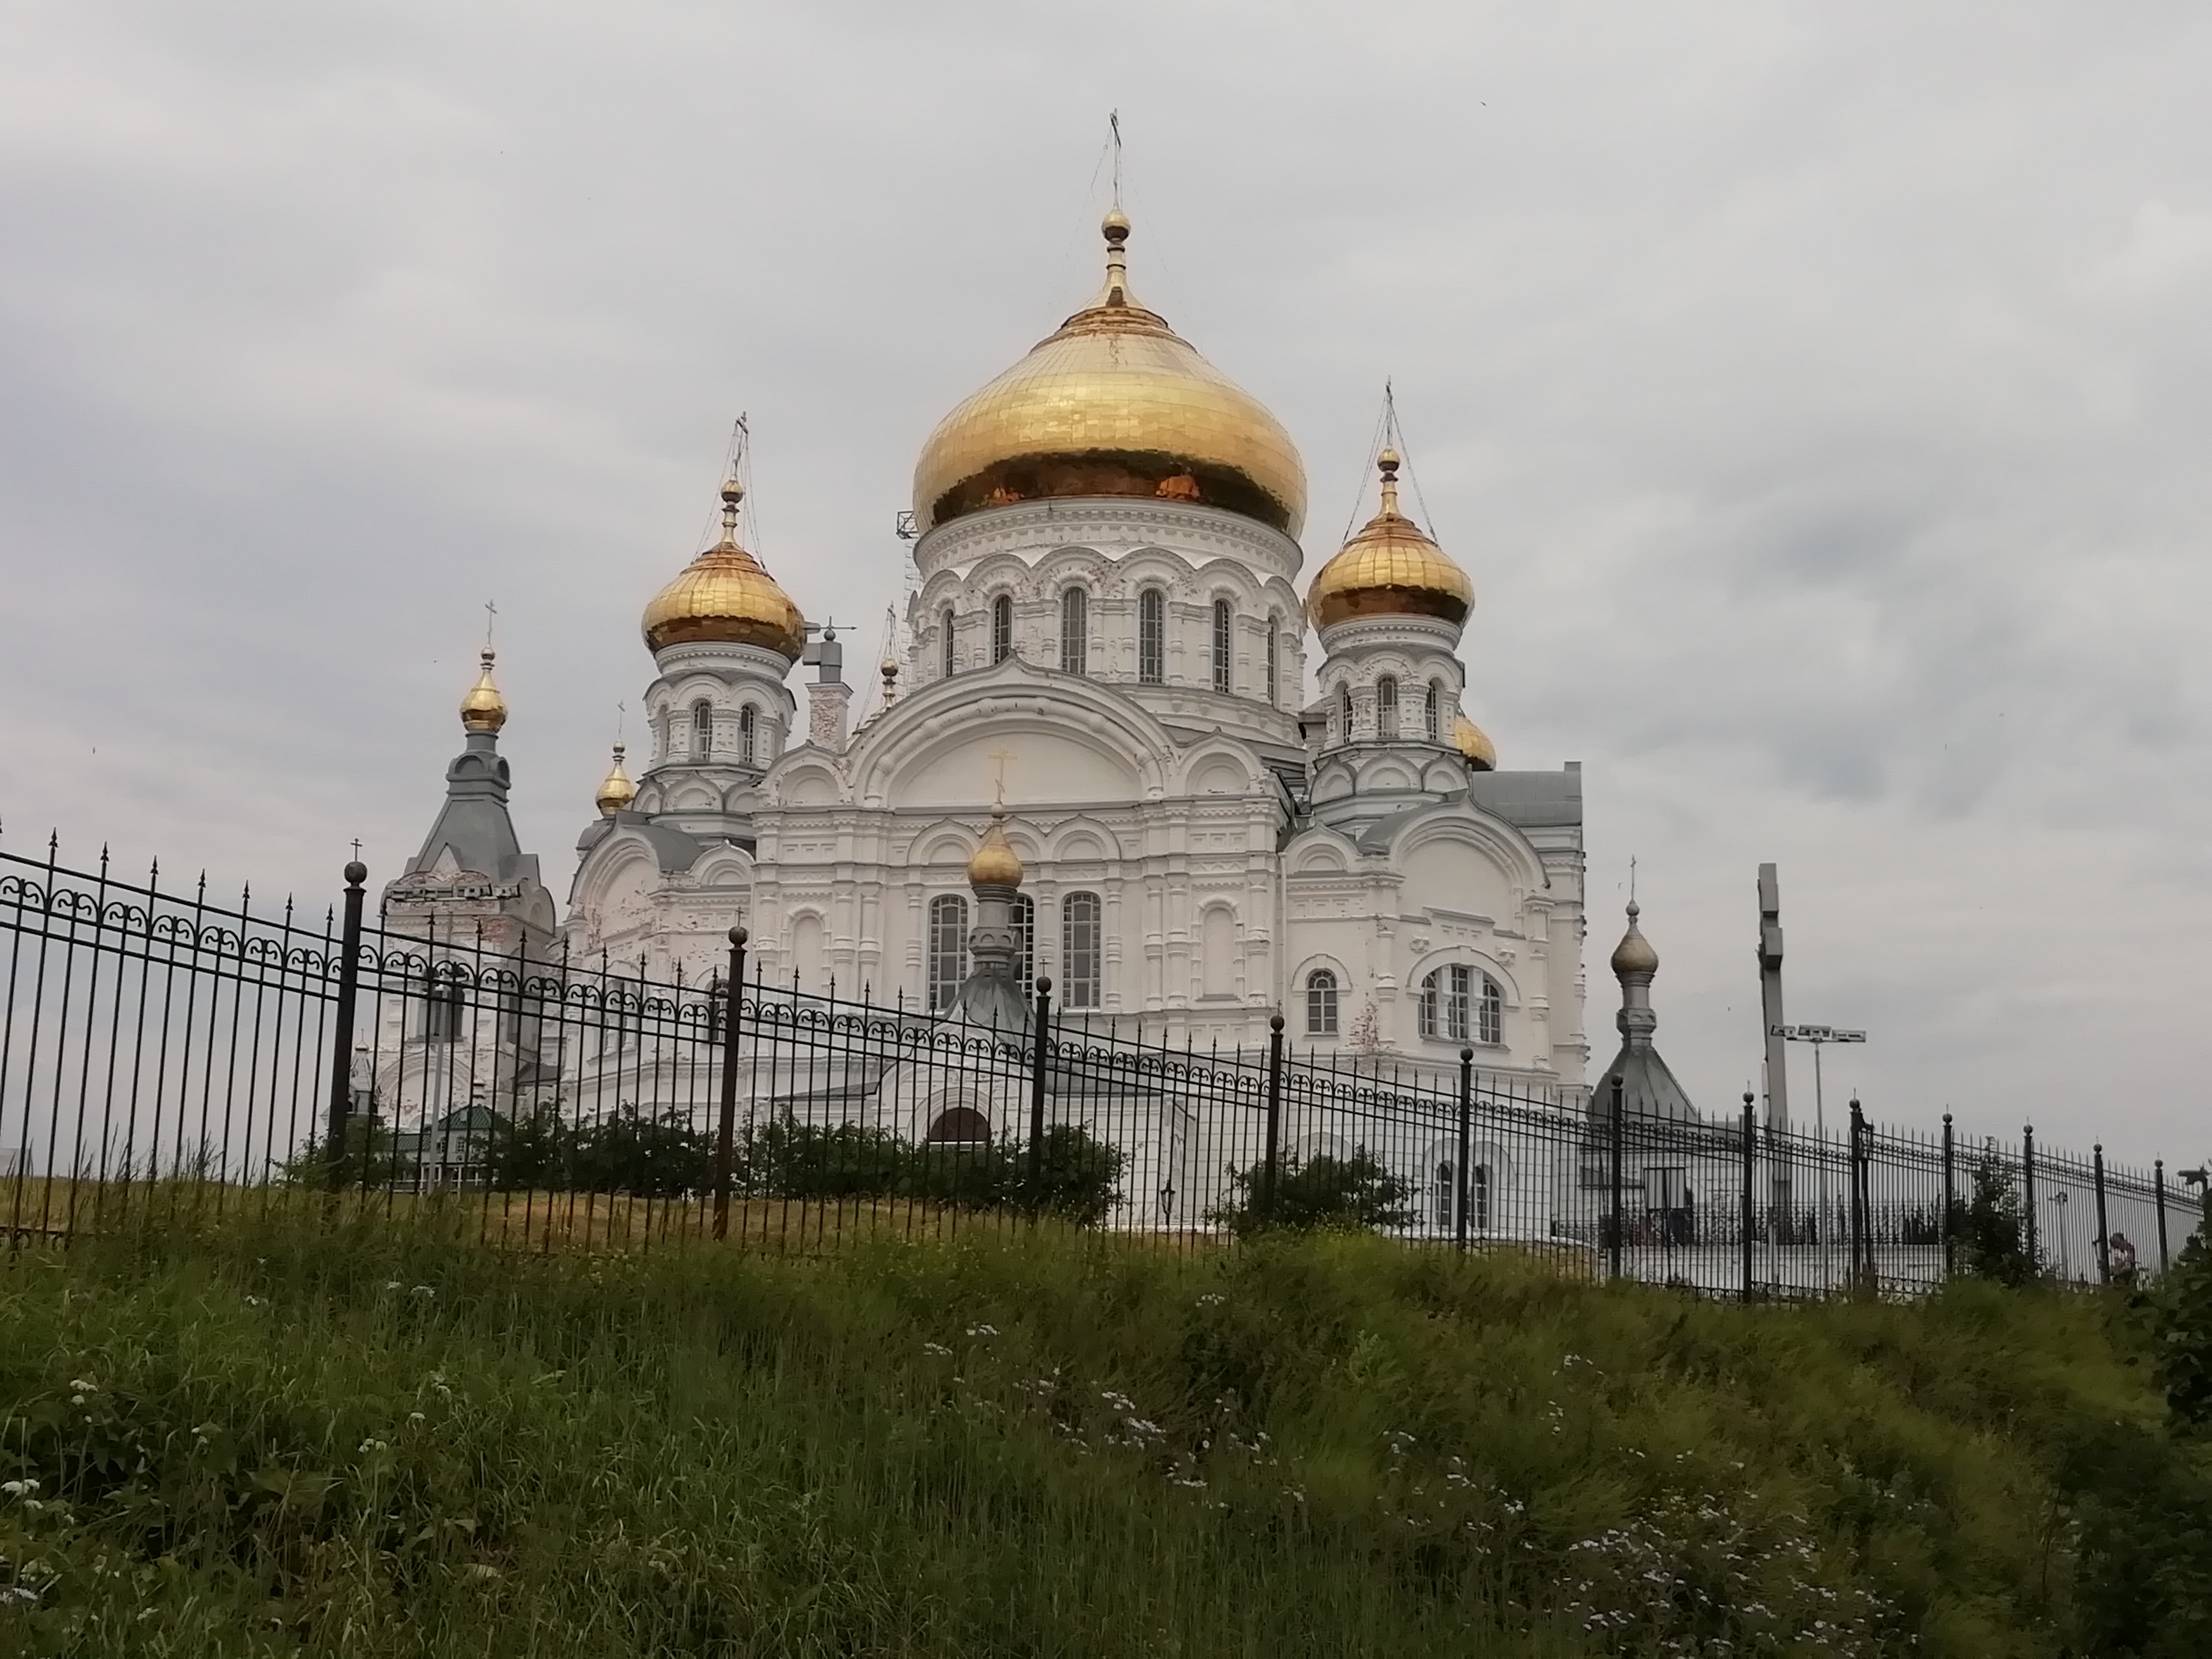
(1619, 1131)
(2027, 1180)
(2158, 1190)
(342, 1029)
(1950, 1196)
(1777, 1066)
(726, 1127)
(1042, 1037)
(2104, 1249)
(1466, 1147)
(1750, 1147)
(1821, 1151)
(1274, 1115)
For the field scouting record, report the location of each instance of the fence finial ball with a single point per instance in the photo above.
(739, 936)
(1275, 1023)
(1044, 982)
(356, 872)
(1467, 1053)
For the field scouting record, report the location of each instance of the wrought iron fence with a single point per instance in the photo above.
(163, 1051)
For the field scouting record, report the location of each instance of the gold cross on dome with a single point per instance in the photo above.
(1001, 755)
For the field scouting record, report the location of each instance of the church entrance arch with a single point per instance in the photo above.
(960, 1126)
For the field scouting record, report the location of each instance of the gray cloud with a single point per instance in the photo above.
(1818, 397)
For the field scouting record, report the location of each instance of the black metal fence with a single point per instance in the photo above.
(163, 1051)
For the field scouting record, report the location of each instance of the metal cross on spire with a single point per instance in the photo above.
(491, 618)
(1114, 128)
(999, 795)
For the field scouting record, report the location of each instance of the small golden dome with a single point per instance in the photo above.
(617, 792)
(1114, 403)
(484, 709)
(1390, 569)
(1474, 744)
(726, 596)
(1634, 954)
(995, 864)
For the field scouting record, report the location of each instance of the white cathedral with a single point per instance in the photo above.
(1108, 639)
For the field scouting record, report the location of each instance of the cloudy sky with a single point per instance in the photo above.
(1817, 394)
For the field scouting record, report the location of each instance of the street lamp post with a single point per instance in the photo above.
(1820, 1037)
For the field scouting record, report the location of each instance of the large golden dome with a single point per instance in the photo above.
(1114, 403)
(725, 595)
(1474, 745)
(1390, 569)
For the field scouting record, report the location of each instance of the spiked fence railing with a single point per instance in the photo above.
(165, 1055)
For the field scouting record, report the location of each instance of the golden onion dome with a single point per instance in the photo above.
(1473, 743)
(1390, 569)
(1634, 954)
(617, 792)
(726, 596)
(484, 709)
(995, 864)
(1114, 403)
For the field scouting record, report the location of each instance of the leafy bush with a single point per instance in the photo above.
(370, 1158)
(1322, 1191)
(2184, 1305)
(625, 1152)
(1078, 1177)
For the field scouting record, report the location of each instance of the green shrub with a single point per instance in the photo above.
(1354, 1193)
(1988, 1229)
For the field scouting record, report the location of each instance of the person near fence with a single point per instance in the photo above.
(2121, 1256)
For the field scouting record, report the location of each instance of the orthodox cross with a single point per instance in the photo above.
(1001, 755)
(491, 617)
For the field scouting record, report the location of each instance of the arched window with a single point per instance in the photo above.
(944, 644)
(444, 999)
(702, 730)
(948, 948)
(1432, 711)
(1225, 643)
(1320, 1003)
(1385, 706)
(1446, 999)
(1151, 637)
(1490, 1013)
(1274, 657)
(1022, 913)
(1079, 950)
(1216, 945)
(960, 1126)
(1002, 628)
(1344, 715)
(1074, 631)
(1443, 1199)
(1478, 1197)
(749, 735)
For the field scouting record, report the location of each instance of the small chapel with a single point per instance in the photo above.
(1127, 744)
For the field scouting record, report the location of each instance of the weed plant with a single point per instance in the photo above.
(287, 1434)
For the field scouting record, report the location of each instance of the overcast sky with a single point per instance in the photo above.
(1817, 394)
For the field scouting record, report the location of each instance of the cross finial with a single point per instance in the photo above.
(491, 617)
(999, 797)
(356, 849)
(1113, 127)
(1632, 877)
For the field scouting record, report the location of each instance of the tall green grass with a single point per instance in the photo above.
(280, 1436)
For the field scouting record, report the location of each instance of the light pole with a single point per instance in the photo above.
(2065, 1264)
(1820, 1037)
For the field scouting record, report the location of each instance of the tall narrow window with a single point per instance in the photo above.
(1002, 628)
(1074, 631)
(1320, 1003)
(1432, 711)
(1490, 1013)
(1447, 994)
(1023, 914)
(1385, 706)
(1478, 1197)
(1079, 950)
(1442, 1196)
(948, 948)
(1151, 637)
(1344, 715)
(945, 645)
(749, 735)
(1225, 642)
(1274, 659)
(443, 1000)
(702, 730)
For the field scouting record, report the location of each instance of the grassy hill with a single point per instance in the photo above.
(284, 1437)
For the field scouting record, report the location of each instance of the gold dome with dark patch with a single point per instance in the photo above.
(1114, 403)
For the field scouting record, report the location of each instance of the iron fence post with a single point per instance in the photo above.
(1036, 1089)
(1750, 1144)
(2028, 1187)
(342, 1026)
(1274, 1115)
(1950, 1196)
(2104, 1249)
(726, 1125)
(1855, 1178)
(1619, 1132)
(2158, 1196)
(1466, 1146)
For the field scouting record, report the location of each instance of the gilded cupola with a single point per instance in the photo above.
(1390, 569)
(1114, 403)
(725, 596)
(484, 709)
(1474, 745)
(995, 864)
(617, 792)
